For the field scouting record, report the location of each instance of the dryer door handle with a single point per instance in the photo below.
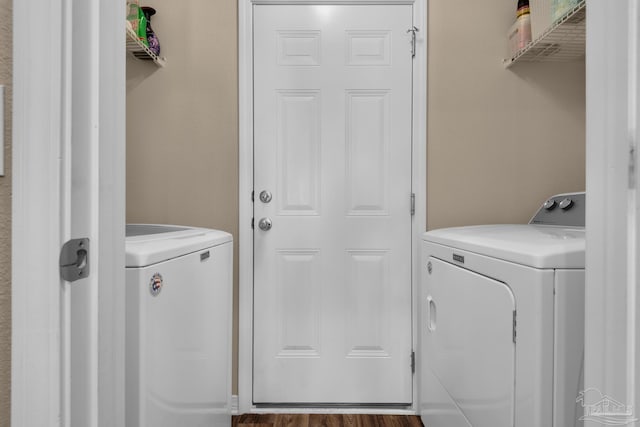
(431, 314)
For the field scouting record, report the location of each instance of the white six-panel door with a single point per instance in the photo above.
(332, 277)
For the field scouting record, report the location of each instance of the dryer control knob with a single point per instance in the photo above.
(549, 204)
(566, 203)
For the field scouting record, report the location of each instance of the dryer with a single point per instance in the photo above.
(502, 321)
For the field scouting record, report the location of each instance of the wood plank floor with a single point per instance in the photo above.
(325, 420)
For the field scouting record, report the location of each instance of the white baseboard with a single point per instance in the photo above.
(234, 404)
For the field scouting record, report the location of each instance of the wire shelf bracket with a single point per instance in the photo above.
(139, 51)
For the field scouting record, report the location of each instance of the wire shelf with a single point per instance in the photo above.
(136, 48)
(563, 41)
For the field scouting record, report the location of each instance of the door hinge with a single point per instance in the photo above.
(413, 362)
(413, 32)
(252, 196)
(413, 203)
(74, 260)
(515, 322)
(632, 167)
(252, 223)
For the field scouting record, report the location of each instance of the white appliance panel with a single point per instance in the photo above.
(568, 364)
(534, 341)
(437, 406)
(179, 358)
(469, 343)
(149, 244)
(542, 264)
(539, 246)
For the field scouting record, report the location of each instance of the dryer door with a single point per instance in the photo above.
(470, 348)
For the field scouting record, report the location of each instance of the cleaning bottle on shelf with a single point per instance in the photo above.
(132, 15)
(560, 7)
(520, 32)
(152, 39)
(142, 27)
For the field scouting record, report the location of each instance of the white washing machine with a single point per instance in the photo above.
(502, 321)
(178, 326)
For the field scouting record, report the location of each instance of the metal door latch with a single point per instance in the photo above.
(74, 260)
(413, 30)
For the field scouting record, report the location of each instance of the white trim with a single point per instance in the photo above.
(110, 29)
(336, 2)
(42, 196)
(245, 248)
(612, 355)
(1, 130)
(633, 209)
(234, 405)
(36, 214)
(419, 179)
(245, 81)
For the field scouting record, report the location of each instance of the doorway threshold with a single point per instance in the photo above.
(335, 408)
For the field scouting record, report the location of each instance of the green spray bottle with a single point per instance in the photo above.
(142, 27)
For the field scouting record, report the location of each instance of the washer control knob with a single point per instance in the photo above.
(549, 204)
(566, 204)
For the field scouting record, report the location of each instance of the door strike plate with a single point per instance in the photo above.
(74, 260)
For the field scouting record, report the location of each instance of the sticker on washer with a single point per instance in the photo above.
(155, 284)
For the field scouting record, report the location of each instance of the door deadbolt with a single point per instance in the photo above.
(265, 224)
(265, 196)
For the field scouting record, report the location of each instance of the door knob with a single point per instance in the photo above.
(265, 196)
(265, 224)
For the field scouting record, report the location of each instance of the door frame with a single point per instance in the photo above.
(419, 184)
(612, 348)
(42, 199)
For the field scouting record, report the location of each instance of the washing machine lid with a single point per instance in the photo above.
(539, 246)
(147, 244)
